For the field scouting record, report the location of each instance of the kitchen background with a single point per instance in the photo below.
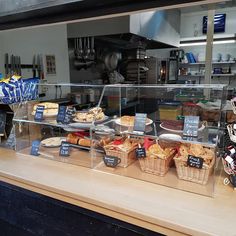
(131, 49)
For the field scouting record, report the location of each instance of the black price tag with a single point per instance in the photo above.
(2, 122)
(196, 162)
(233, 180)
(140, 152)
(39, 113)
(68, 115)
(191, 124)
(64, 149)
(35, 148)
(61, 114)
(111, 161)
(140, 122)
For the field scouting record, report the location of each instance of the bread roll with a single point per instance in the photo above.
(85, 142)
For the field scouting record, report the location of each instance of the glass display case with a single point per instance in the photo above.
(57, 125)
(165, 134)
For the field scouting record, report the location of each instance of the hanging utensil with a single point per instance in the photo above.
(39, 66)
(92, 46)
(6, 65)
(15, 65)
(34, 66)
(19, 66)
(88, 51)
(12, 65)
(84, 48)
(80, 45)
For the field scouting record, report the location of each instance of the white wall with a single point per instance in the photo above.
(45, 40)
(191, 23)
(191, 26)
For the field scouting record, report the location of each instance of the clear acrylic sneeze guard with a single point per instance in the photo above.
(47, 134)
(145, 136)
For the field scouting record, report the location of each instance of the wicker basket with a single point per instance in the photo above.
(154, 165)
(127, 157)
(192, 174)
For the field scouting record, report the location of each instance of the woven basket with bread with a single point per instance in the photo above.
(123, 149)
(158, 159)
(193, 174)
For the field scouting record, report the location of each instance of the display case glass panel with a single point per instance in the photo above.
(57, 125)
(164, 134)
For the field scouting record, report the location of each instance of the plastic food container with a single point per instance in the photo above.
(169, 110)
(191, 109)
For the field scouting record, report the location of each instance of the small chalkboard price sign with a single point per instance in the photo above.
(140, 123)
(191, 124)
(68, 115)
(39, 113)
(111, 161)
(64, 149)
(35, 148)
(61, 114)
(140, 153)
(2, 122)
(232, 179)
(196, 162)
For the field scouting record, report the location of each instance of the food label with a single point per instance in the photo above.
(64, 149)
(68, 115)
(140, 153)
(233, 180)
(2, 122)
(191, 124)
(111, 161)
(61, 114)
(39, 113)
(35, 148)
(196, 162)
(140, 122)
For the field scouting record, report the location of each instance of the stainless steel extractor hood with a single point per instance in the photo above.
(155, 29)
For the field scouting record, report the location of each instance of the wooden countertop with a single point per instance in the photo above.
(159, 208)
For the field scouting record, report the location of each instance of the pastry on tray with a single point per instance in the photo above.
(129, 121)
(79, 140)
(72, 138)
(93, 114)
(52, 142)
(50, 108)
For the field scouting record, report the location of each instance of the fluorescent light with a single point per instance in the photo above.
(225, 41)
(204, 43)
(192, 44)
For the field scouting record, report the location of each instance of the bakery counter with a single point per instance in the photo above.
(155, 207)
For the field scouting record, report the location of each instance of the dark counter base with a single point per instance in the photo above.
(25, 213)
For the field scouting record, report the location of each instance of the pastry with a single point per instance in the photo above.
(156, 150)
(93, 114)
(85, 142)
(47, 105)
(72, 138)
(197, 150)
(52, 142)
(50, 109)
(122, 144)
(127, 120)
